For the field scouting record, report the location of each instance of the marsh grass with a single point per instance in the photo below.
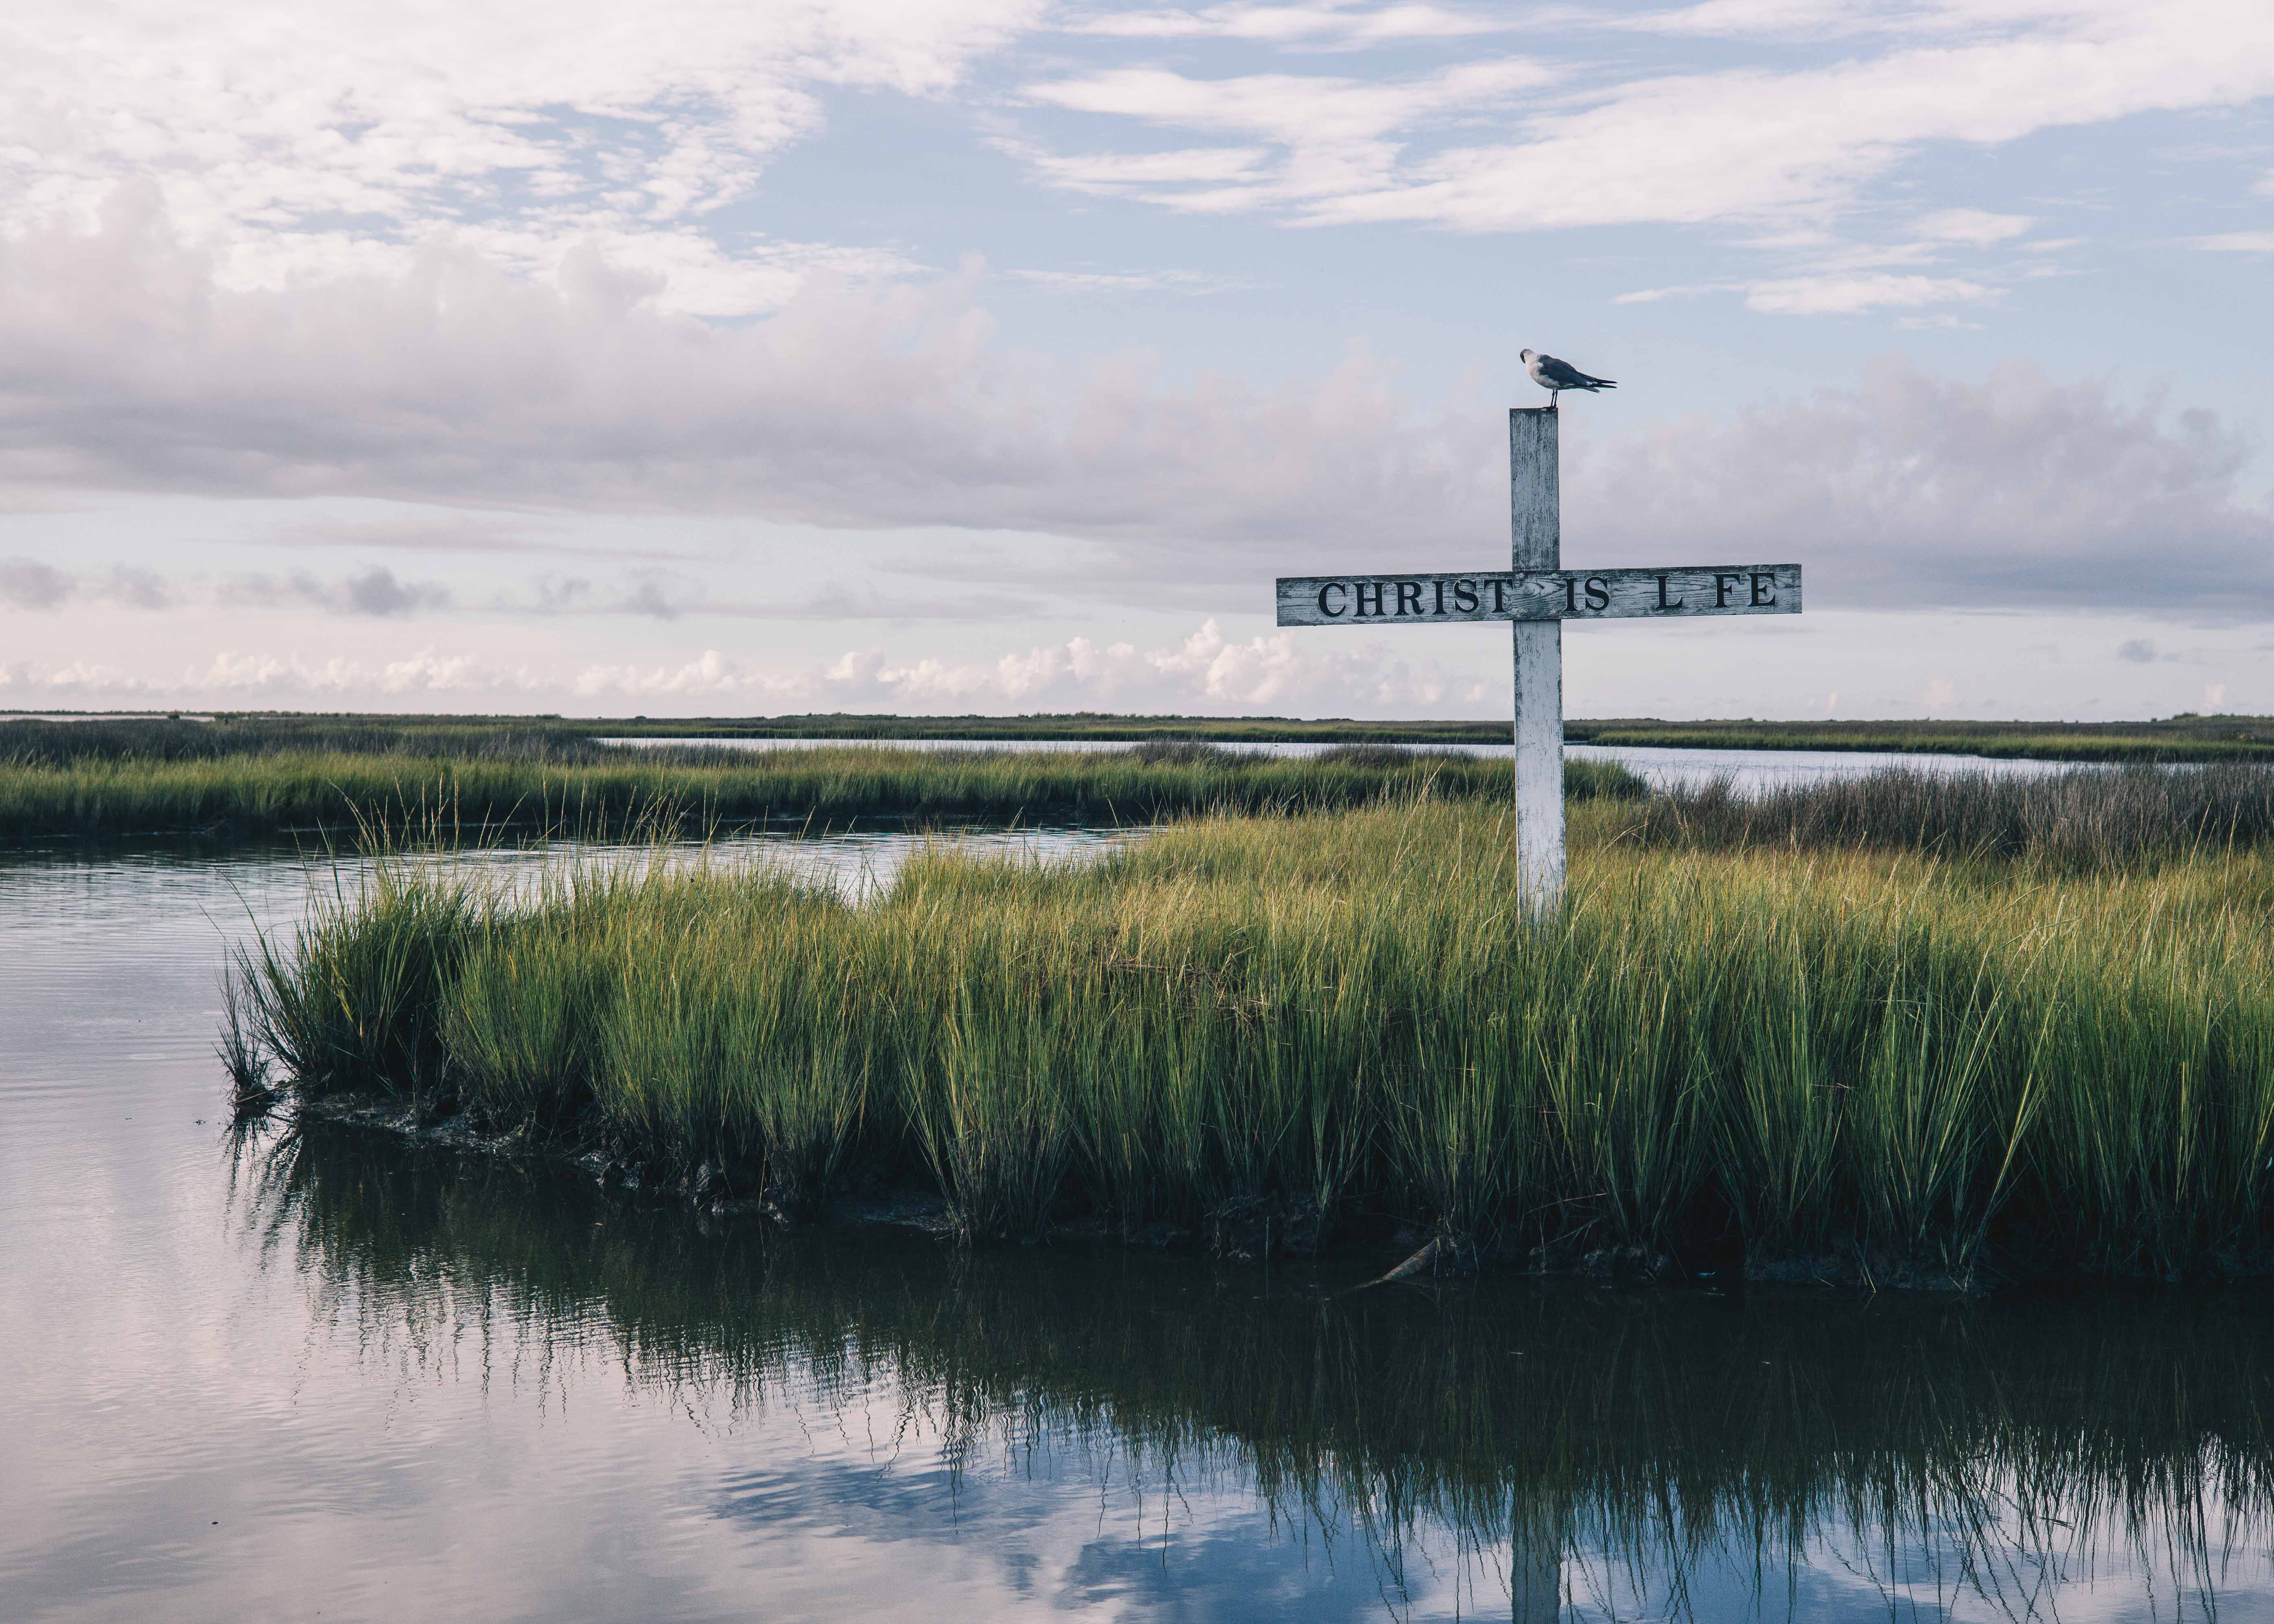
(2184, 738)
(32, 744)
(1868, 1062)
(252, 1085)
(2081, 817)
(354, 1006)
(596, 791)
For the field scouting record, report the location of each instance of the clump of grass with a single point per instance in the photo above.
(1186, 753)
(717, 1039)
(1834, 1059)
(251, 1084)
(2082, 817)
(1374, 754)
(352, 1003)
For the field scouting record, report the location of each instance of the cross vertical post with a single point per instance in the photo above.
(1536, 526)
(1536, 596)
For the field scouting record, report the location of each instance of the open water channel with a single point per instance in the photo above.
(337, 1377)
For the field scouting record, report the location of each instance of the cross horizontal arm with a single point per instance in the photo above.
(1674, 593)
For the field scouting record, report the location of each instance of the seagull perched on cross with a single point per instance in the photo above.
(1556, 376)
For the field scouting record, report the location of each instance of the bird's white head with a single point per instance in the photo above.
(1526, 356)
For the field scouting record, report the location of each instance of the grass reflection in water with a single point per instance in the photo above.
(1648, 1453)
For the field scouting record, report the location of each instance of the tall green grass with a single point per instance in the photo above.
(1895, 1065)
(607, 792)
(2081, 817)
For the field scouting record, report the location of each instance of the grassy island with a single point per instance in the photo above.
(1906, 1030)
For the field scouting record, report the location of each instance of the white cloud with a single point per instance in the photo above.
(1917, 493)
(2237, 242)
(1759, 19)
(1976, 228)
(1105, 173)
(712, 675)
(1331, 22)
(1828, 292)
(1652, 296)
(1191, 283)
(888, 408)
(1803, 20)
(1750, 142)
(258, 681)
(1336, 137)
(1835, 277)
(1838, 293)
(308, 144)
(313, 140)
(123, 366)
(1204, 671)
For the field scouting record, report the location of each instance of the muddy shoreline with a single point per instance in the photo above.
(1253, 1230)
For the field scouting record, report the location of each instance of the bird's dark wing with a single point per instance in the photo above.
(1565, 375)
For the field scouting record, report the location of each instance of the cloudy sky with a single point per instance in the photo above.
(995, 355)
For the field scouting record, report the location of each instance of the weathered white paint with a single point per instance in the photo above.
(1536, 597)
(1536, 527)
(1680, 592)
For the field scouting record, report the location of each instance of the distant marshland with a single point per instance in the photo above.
(245, 779)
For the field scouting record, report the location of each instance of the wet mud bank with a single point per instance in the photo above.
(1259, 1231)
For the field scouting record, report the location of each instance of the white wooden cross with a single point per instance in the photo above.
(1538, 595)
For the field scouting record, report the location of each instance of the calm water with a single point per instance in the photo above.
(1749, 770)
(338, 1378)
